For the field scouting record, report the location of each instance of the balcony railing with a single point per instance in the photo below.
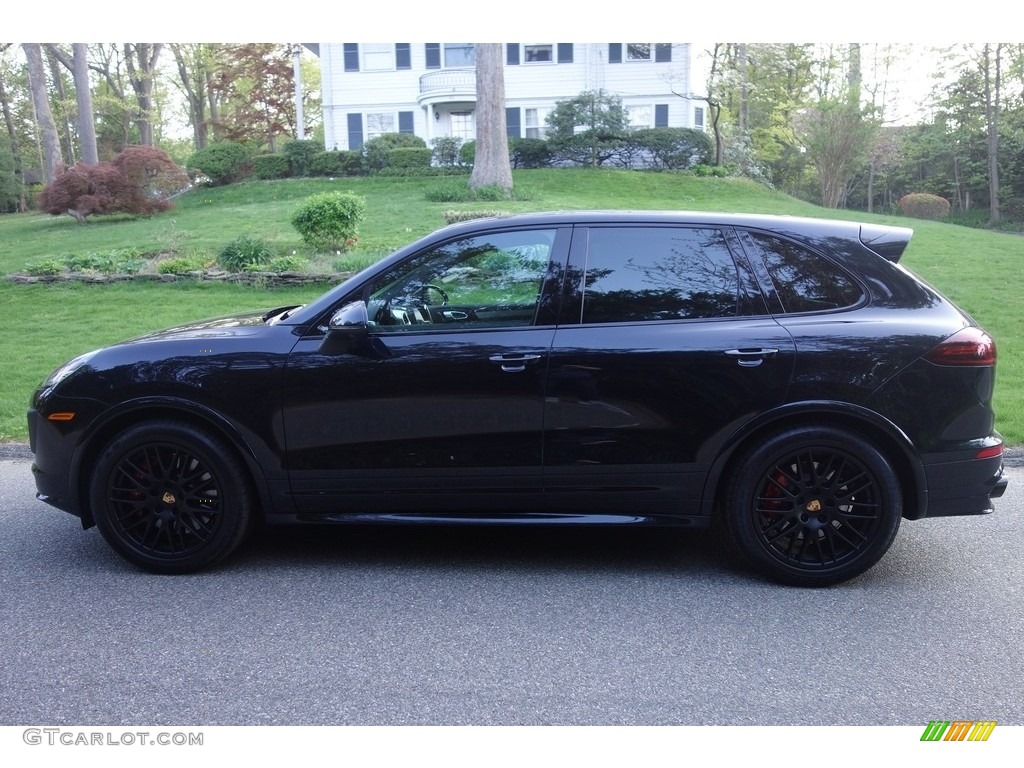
(448, 81)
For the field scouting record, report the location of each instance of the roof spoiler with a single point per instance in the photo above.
(888, 242)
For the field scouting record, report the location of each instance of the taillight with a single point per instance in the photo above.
(971, 346)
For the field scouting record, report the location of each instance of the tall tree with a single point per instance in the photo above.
(491, 166)
(992, 76)
(255, 87)
(140, 60)
(51, 159)
(195, 64)
(13, 143)
(78, 65)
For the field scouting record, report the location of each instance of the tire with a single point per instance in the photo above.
(812, 506)
(170, 497)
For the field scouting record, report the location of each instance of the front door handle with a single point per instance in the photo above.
(751, 358)
(514, 363)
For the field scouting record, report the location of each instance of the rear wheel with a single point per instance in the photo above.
(170, 497)
(813, 506)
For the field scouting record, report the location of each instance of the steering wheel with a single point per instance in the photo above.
(425, 290)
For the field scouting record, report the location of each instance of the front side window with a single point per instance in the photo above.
(803, 280)
(536, 122)
(488, 281)
(378, 56)
(638, 51)
(459, 55)
(378, 123)
(659, 273)
(539, 53)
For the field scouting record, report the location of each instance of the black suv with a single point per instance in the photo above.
(782, 376)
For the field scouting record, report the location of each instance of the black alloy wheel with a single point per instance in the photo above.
(170, 498)
(813, 506)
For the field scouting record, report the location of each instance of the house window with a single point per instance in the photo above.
(536, 123)
(640, 117)
(351, 54)
(462, 125)
(378, 57)
(539, 53)
(638, 51)
(698, 117)
(459, 55)
(403, 56)
(378, 123)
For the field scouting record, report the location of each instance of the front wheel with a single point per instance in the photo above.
(813, 506)
(169, 497)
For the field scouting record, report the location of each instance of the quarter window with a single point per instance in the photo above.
(459, 55)
(638, 51)
(536, 123)
(804, 281)
(537, 53)
(659, 273)
(378, 123)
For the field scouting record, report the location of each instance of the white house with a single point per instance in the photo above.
(429, 89)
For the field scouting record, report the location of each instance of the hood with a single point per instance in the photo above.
(220, 327)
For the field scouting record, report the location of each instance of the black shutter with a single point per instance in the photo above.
(403, 56)
(351, 56)
(405, 122)
(355, 130)
(512, 122)
(565, 53)
(433, 55)
(661, 115)
(512, 53)
(663, 51)
(614, 53)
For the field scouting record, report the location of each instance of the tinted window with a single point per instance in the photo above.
(659, 273)
(488, 281)
(804, 281)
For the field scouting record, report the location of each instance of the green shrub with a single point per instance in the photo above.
(453, 217)
(445, 150)
(325, 164)
(271, 167)
(529, 153)
(352, 162)
(222, 162)
(717, 171)
(290, 263)
(921, 205)
(300, 153)
(243, 253)
(409, 157)
(467, 153)
(329, 220)
(377, 150)
(182, 265)
(675, 148)
(450, 192)
(420, 171)
(47, 267)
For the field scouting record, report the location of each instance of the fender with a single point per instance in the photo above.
(890, 438)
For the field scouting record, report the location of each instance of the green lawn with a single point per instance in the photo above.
(47, 324)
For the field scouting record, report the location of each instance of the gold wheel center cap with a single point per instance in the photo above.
(814, 506)
(168, 498)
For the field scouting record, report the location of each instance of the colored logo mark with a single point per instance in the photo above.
(958, 730)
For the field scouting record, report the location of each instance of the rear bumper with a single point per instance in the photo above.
(963, 486)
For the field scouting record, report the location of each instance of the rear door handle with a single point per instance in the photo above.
(751, 358)
(513, 363)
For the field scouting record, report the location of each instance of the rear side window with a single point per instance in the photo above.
(659, 273)
(803, 280)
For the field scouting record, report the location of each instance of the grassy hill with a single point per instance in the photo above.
(47, 324)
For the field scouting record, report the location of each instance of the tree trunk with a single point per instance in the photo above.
(743, 118)
(83, 97)
(140, 60)
(68, 150)
(191, 63)
(15, 148)
(51, 159)
(491, 166)
(992, 85)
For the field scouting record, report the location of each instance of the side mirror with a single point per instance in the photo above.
(347, 331)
